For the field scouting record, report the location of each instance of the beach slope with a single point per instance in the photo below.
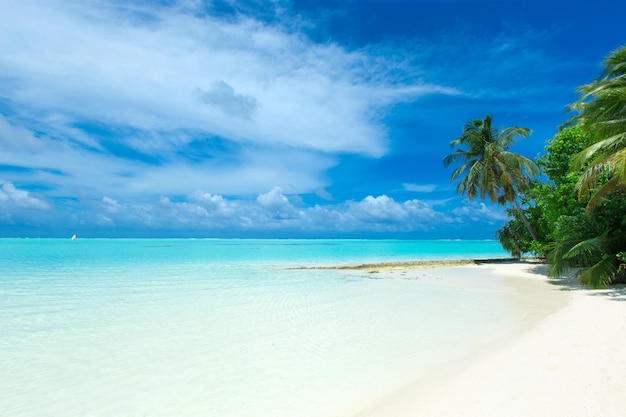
(571, 363)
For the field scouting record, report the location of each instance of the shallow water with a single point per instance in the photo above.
(225, 328)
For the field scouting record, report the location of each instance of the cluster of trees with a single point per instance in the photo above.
(568, 206)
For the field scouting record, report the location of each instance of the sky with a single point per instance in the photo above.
(274, 118)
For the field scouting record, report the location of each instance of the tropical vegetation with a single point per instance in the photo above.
(574, 215)
(487, 167)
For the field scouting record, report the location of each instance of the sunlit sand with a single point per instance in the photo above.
(569, 360)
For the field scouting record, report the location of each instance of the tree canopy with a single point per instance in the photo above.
(487, 168)
(579, 208)
(602, 110)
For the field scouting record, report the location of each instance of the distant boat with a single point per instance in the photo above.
(74, 236)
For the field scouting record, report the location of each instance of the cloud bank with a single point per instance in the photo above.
(151, 87)
(133, 114)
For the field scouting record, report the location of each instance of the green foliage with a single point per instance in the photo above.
(515, 228)
(487, 169)
(546, 202)
(602, 110)
(556, 163)
(577, 218)
(592, 244)
(511, 237)
(593, 240)
(556, 197)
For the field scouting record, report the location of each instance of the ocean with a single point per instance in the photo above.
(226, 327)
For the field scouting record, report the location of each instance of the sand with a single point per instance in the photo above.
(569, 360)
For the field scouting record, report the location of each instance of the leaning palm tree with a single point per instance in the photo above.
(602, 110)
(488, 169)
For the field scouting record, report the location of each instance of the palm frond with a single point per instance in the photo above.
(581, 158)
(618, 165)
(587, 250)
(454, 157)
(508, 135)
(598, 196)
(588, 180)
(601, 274)
(484, 171)
(520, 163)
(559, 265)
(608, 147)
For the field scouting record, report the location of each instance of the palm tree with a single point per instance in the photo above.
(602, 110)
(487, 168)
(586, 244)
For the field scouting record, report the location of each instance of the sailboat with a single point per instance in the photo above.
(74, 236)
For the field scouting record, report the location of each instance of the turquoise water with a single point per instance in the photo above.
(166, 327)
(111, 252)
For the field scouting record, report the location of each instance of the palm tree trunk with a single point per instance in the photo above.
(524, 219)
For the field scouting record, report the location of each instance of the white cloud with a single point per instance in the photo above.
(175, 87)
(381, 208)
(68, 169)
(420, 188)
(276, 207)
(103, 220)
(423, 211)
(111, 205)
(216, 205)
(383, 213)
(324, 194)
(223, 96)
(206, 213)
(479, 212)
(12, 197)
(146, 104)
(273, 199)
(240, 79)
(17, 139)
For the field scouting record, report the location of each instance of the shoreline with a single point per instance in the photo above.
(410, 265)
(567, 359)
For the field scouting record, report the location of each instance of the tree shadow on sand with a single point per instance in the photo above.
(571, 282)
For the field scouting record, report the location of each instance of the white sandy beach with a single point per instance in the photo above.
(569, 361)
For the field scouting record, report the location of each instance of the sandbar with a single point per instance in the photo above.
(409, 265)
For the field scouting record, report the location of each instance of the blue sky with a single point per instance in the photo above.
(274, 118)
